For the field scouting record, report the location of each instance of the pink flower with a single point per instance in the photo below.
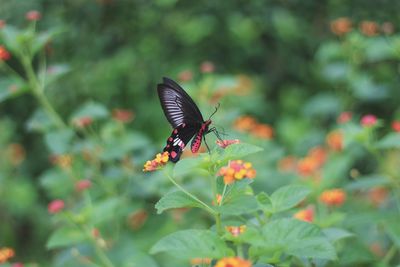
(123, 115)
(55, 206)
(83, 185)
(4, 54)
(225, 143)
(17, 264)
(396, 126)
(207, 67)
(368, 120)
(33, 15)
(185, 76)
(82, 122)
(344, 117)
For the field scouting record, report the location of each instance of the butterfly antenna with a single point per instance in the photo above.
(216, 109)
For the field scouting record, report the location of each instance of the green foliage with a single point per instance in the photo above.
(79, 117)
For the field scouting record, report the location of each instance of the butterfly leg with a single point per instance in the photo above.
(205, 142)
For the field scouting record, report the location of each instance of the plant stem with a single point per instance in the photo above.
(208, 208)
(38, 91)
(223, 195)
(239, 250)
(389, 255)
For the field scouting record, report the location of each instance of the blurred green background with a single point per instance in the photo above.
(296, 65)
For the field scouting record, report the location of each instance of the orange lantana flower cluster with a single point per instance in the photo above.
(155, 164)
(343, 25)
(334, 140)
(333, 197)
(237, 170)
(236, 230)
(233, 262)
(252, 126)
(200, 261)
(312, 162)
(306, 215)
(6, 254)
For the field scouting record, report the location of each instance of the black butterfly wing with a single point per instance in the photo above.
(177, 105)
(180, 136)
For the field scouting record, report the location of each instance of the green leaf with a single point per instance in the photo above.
(13, 87)
(188, 166)
(296, 238)
(176, 199)
(287, 197)
(39, 121)
(107, 210)
(59, 141)
(240, 204)
(393, 230)
(237, 151)
(65, 236)
(368, 182)
(189, 244)
(335, 234)
(390, 141)
(91, 109)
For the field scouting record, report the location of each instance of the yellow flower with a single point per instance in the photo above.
(155, 164)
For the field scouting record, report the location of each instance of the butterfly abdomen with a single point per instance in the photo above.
(196, 143)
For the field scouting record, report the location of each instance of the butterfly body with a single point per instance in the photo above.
(184, 116)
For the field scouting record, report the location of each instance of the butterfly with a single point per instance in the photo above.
(184, 116)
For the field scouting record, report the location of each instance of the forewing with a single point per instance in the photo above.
(179, 138)
(177, 105)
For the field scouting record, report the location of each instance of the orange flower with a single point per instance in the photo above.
(368, 120)
(344, 117)
(396, 126)
(63, 161)
(306, 215)
(82, 122)
(341, 26)
(376, 249)
(200, 261)
(33, 15)
(236, 230)
(16, 153)
(335, 140)
(263, 131)
(123, 115)
(6, 254)
(244, 123)
(287, 164)
(225, 143)
(307, 166)
(2, 24)
(237, 170)
(155, 164)
(318, 154)
(207, 67)
(4, 54)
(369, 28)
(378, 195)
(233, 262)
(218, 198)
(55, 206)
(185, 76)
(137, 219)
(333, 197)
